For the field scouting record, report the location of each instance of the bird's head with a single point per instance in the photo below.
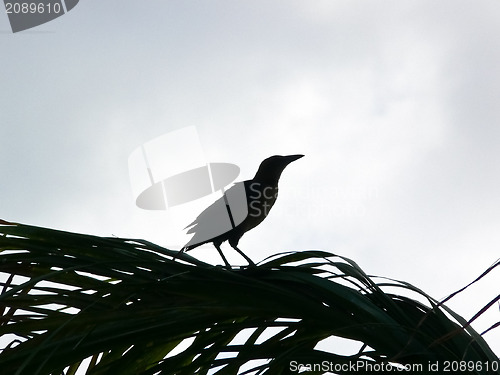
(271, 168)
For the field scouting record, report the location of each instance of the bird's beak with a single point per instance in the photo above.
(291, 158)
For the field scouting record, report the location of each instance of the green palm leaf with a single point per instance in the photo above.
(128, 308)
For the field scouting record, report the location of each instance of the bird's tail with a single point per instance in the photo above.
(187, 248)
(184, 249)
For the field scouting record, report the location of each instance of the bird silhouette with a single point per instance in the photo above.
(241, 208)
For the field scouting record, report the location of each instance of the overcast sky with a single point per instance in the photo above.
(394, 104)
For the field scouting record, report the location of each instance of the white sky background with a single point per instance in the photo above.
(393, 103)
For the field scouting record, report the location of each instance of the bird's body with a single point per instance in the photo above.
(241, 208)
(259, 201)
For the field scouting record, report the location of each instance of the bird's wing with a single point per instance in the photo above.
(216, 220)
(205, 215)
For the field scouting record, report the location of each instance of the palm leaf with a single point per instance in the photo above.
(126, 307)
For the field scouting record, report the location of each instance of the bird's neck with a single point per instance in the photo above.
(267, 181)
(266, 178)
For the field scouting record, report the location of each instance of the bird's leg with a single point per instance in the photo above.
(217, 246)
(250, 261)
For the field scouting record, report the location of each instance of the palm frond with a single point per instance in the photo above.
(123, 306)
